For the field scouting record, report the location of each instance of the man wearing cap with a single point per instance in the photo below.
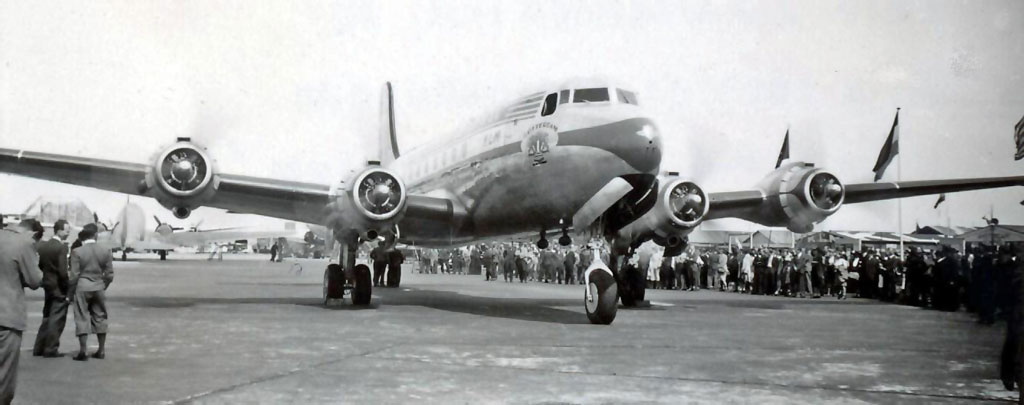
(53, 261)
(19, 268)
(90, 274)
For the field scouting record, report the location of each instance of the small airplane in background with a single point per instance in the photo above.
(129, 233)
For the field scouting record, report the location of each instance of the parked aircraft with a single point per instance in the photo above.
(581, 157)
(130, 232)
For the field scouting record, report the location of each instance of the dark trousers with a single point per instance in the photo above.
(55, 316)
(379, 267)
(10, 346)
(394, 275)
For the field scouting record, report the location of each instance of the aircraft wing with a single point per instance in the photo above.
(205, 237)
(758, 204)
(292, 200)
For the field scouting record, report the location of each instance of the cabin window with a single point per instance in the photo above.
(550, 102)
(590, 95)
(563, 97)
(626, 96)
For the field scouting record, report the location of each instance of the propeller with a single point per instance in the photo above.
(379, 193)
(160, 224)
(826, 192)
(687, 202)
(184, 169)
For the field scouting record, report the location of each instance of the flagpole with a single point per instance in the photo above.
(899, 201)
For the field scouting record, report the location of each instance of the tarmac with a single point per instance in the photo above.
(245, 330)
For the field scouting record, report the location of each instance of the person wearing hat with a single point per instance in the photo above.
(19, 268)
(90, 274)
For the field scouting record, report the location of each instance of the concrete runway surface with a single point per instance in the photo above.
(249, 331)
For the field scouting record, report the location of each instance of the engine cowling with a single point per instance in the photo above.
(182, 178)
(798, 196)
(680, 207)
(370, 205)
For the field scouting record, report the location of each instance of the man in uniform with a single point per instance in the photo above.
(53, 261)
(19, 268)
(379, 256)
(89, 275)
(395, 260)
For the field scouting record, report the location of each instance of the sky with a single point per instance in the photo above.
(291, 90)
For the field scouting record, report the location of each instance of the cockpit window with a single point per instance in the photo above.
(626, 96)
(563, 97)
(590, 95)
(550, 102)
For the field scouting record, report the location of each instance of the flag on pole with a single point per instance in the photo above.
(1019, 137)
(784, 153)
(942, 197)
(890, 149)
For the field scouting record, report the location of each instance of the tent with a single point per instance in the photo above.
(770, 238)
(50, 209)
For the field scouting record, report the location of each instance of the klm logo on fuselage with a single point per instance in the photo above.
(538, 141)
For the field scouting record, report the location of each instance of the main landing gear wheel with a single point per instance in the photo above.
(602, 300)
(633, 287)
(363, 285)
(334, 283)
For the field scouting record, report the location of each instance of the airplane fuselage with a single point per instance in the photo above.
(533, 166)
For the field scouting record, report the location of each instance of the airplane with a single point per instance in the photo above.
(582, 157)
(129, 233)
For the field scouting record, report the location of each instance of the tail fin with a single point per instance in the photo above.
(388, 140)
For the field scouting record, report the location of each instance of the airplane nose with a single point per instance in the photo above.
(639, 145)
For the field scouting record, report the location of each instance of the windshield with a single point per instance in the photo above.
(626, 96)
(590, 95)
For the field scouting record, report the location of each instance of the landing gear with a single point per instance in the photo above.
(124, 255)
(356, 278)
(362, 285)
(334, 283)
(632, 285)
(601, 298)
(163, 254)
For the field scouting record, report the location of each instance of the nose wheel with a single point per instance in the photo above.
(601, 298)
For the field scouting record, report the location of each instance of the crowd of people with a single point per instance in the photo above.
(940, 278)
(513, 262)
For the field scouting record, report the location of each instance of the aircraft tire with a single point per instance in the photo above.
(363, 285)
(626, 289)
(602, 286)
(639, 286)
(334, 282)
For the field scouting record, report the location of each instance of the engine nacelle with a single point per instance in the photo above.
(182, 178)
(370, 205)
(680, 207)
(798, 196)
